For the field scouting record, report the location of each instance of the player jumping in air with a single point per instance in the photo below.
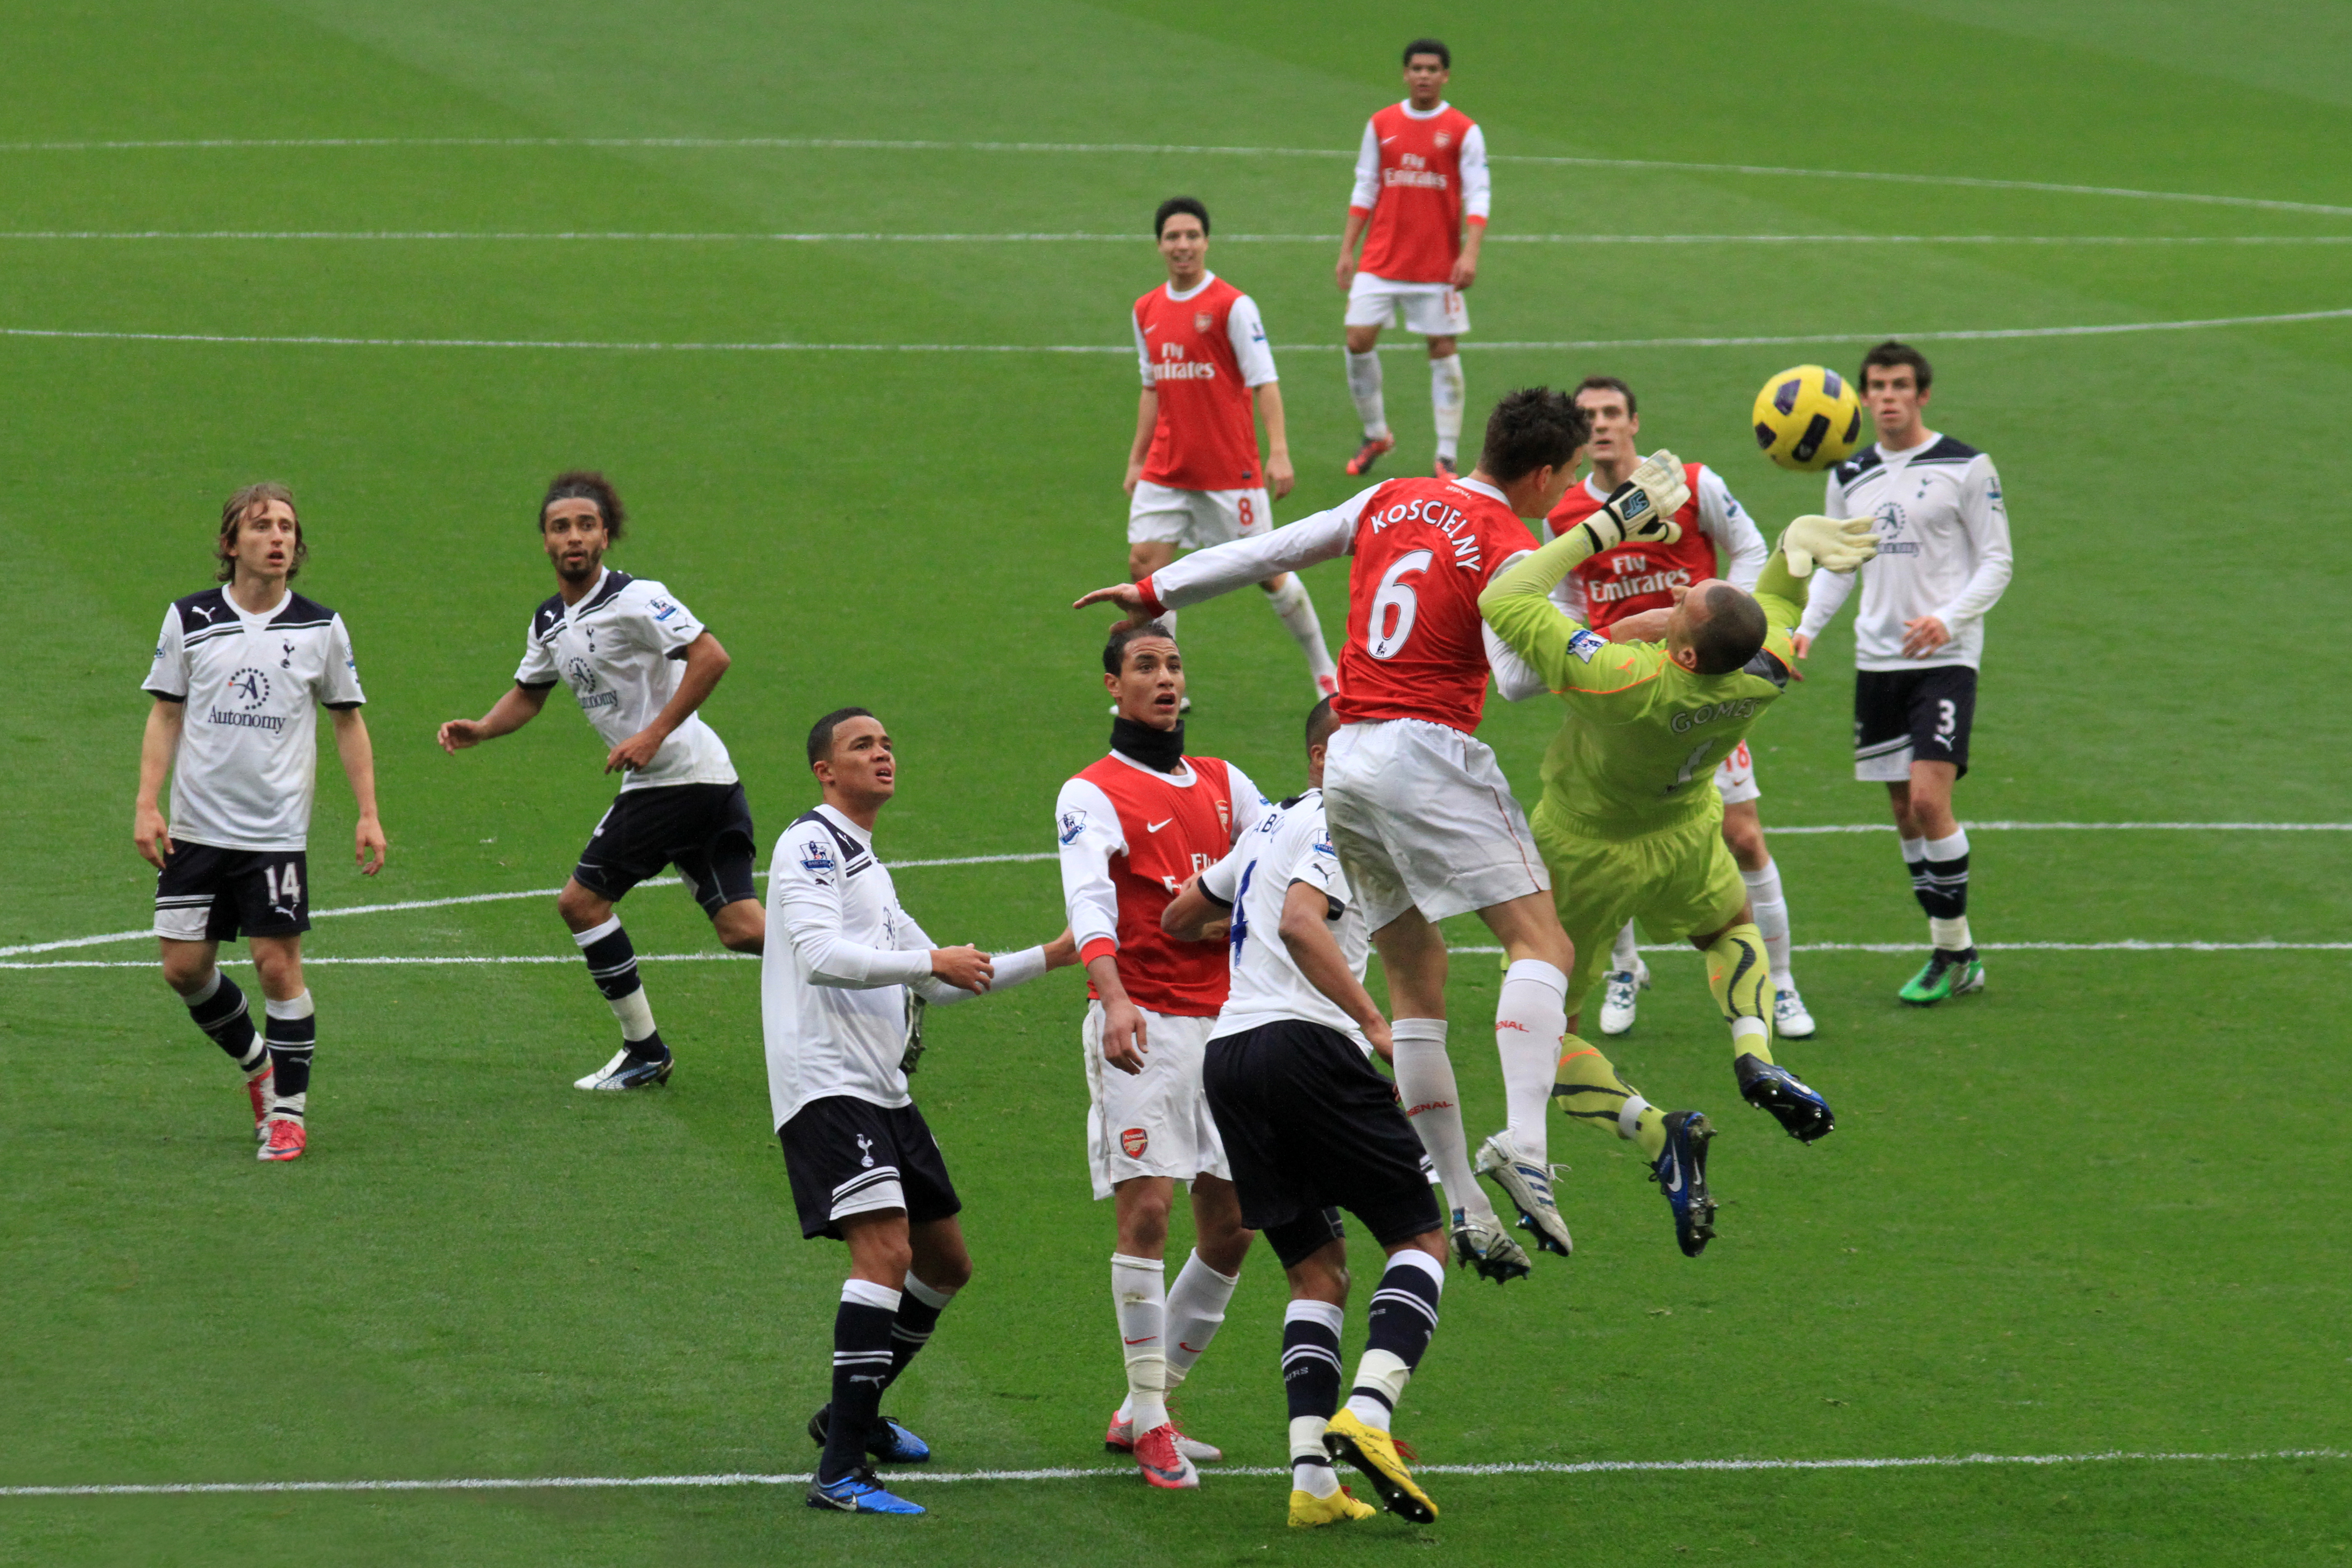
(1421, 192)
(1310, 1129)
(1193, 470)
(1630, 821)
(640, 664)
(1614, 588)
(239, 676)
(1422, 817)
(1943, 560)
(1134, 828)
(842, 991)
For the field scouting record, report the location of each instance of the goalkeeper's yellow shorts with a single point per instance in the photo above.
(1679, 882)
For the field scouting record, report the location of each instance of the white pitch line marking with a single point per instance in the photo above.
(1027, 856)
(624, 237)
(1106, 1472)
(622, 346)
(2128, 944)
(834, 143)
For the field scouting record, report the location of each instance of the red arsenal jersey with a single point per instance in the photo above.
(1636, 577)
(1416, 229)
(1205, 438)
(1424, 550)
(1162, 833)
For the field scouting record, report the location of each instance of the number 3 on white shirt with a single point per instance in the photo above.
(1394, 598)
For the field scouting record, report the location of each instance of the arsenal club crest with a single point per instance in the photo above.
(1443, 141)
(1134, 1140)
(1202, 320)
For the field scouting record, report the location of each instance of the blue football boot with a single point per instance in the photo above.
(1680, 1172)
(889, 1442)
(857, 1492)
(1795, 1105)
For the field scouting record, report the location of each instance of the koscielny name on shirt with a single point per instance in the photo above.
(1446, 520)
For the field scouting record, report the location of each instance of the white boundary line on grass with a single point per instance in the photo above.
(1106, 1472)
(622, 346)
(1081, 238)
(867, 145)
(1026, 857)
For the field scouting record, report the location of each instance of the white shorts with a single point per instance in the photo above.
(1155, 1122)
(1194, 519)
(1433, 309)
(1735, 777)
(1423, 819)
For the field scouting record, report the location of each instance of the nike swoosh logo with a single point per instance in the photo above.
(1156, 826)
(1144, 1340)
(1386, 140)
(1675, 1178)
(1193, 1349)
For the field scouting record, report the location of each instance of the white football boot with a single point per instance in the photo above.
(1619, 998)
(1789, 1019)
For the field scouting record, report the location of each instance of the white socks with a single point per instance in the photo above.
(1625, 955)
(1195, 1309)
(1771, 910)
(1424, 1080)
(1951, 935)
(1296, 612)
(1446, 394)
(1137, 1287)
(1364, 387)
(1529, 1020)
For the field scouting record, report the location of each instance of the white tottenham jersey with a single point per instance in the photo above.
(622, 651)
(1244, 328)
(1289, 846)
(1943, 551)
(841, 958)
(248, 760)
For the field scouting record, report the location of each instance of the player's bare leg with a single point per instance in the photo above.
(642, 1059)
(1530, 1023)
(1319, 1430)
(1935, 850)
(1364, 391)
(218, 1008)
(1743, 835)
(1446, 393)
(741, 926)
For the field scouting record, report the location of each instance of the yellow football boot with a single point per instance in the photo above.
(1308, 1510)
(1375, 1454)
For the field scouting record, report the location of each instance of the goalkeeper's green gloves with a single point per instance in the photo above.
(1641, 510)
(1840, 545)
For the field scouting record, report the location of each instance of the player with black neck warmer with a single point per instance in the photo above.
(1135, 828)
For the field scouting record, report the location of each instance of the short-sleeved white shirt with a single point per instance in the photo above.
(248, 765)
(1287, 845)
(621, 650)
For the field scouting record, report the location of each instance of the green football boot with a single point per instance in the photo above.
(1947, 974)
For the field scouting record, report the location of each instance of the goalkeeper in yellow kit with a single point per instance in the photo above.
(1630, 823)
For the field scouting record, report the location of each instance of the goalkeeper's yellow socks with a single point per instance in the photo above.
(1738, 975)
(1589, 1089)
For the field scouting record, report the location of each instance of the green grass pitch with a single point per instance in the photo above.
(2098, 1209)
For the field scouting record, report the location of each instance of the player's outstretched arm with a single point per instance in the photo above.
(1240, 563)
(706, 661)
(358, 755)
(1307, 933)
(511, 712)
(149, 832)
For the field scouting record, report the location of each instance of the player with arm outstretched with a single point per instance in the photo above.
(1134, 827)
(841, 990)
(1422, 817)
(1310, 1129)
(240, 675)
(1193, 473)
(1419, 205)
(639, 665)
(1610, 593)
(1630, 821)
(1943, 562)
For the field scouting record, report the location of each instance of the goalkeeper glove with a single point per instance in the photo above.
(1840, 545)
(1641, 510)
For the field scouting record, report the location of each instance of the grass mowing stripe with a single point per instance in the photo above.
(866, 144)
(1967, 335)
(1084, 237)
(1107, 1472)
